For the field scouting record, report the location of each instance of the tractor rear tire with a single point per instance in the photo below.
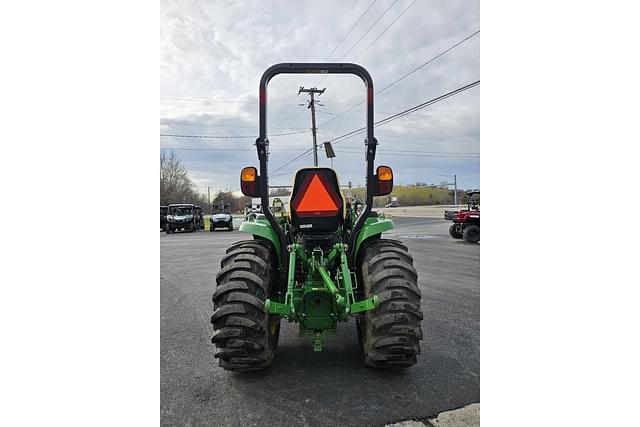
(453, 232)
(245, 336)
(390, 334)
(472, 234)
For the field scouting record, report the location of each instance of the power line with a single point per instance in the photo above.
(393, 150)
(356, 43)
(345, 36)
(230, 136)
(405, 76)
(220, 101)
(208, 136)
(213, 126)
(351, 29)
(408, 110)
(293, 160)
(228, 149)
(367, 32)
(390, 118)
(215, 101)
(412, 155)
(369, 29)
(427, 103)
(428, 62)
(385, 30)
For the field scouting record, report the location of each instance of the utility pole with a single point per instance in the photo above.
(311, 106)
(455, 190)
(209, 199)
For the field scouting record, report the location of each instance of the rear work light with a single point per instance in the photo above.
(316, 197)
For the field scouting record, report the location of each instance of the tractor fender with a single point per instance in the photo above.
(262, 228)
(372, 227)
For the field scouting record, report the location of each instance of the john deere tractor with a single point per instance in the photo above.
(322, 263)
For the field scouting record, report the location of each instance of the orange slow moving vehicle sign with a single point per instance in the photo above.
(316, 197)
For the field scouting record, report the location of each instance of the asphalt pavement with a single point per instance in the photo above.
(334, 387)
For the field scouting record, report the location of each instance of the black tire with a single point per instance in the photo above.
(390, 335)
(453, 232)
(245, 336)
(472, 234)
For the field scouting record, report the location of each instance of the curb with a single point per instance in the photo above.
(467, 416)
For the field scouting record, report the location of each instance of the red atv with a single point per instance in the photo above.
(466, 223)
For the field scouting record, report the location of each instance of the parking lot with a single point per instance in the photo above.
(328, 388)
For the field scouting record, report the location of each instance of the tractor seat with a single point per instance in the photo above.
(317, 205)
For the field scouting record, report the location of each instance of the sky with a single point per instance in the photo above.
(213, 53)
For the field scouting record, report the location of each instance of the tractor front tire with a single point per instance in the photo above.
(453, 232)
(390, 334)
(472, 234)
(246, 337)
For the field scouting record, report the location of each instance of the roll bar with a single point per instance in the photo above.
(262, 143)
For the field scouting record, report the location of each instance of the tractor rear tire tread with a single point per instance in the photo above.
(391, 333)
(245, 336)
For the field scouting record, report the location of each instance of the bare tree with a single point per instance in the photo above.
(175, 185)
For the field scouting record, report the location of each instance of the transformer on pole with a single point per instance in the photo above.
(311, 105)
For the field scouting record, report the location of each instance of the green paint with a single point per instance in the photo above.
(320, 287)
(371, 227)
(277, 308)
(365, 305)
(331, 286)
(262, 228)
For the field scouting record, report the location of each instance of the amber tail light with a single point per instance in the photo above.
(383, 181)
(249, 181)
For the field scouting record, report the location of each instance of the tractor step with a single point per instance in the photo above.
(364, 305)
(273, 307)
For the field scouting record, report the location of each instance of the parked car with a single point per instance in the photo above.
(163, 217)
(222, 218)
(181, 216)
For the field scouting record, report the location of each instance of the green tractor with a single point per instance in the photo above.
(321, 264)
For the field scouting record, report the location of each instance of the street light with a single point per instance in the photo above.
(328, 149)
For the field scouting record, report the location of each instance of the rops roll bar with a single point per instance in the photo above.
(262, 143)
